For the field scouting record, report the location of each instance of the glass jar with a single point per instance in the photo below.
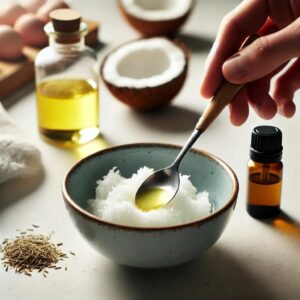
(67, 82)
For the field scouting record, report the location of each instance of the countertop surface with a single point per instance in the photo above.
(252, 259)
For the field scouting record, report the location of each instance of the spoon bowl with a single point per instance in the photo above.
(163, 183)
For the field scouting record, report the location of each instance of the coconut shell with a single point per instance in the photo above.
(149, 98)
(155, 28)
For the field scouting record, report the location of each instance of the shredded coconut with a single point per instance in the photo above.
(114, 202)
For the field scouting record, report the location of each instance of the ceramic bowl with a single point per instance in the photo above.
(151, 247)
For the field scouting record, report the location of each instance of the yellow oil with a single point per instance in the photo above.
(153, 198)
(68, 110)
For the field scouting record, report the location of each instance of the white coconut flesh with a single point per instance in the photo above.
(144, 63)
(157, 10)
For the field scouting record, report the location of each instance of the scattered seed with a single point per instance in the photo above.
(66, 268)
(30, 252)
(72, 253)
(35, 226)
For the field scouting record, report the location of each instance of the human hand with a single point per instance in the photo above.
(278, 24)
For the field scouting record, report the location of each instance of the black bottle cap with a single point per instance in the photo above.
(266, 144)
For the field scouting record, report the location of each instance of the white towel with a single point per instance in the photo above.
(18, 157)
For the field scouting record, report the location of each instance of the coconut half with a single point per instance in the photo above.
(156, 17)
(147, 73)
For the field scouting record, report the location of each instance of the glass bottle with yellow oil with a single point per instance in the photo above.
(265, 172)
(67, 82)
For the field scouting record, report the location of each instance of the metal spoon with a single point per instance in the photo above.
(165, 183)
(167, 180)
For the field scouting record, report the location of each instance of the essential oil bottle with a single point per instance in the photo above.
(265, 172)
(66, 82)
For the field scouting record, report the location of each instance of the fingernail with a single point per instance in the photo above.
(234, 68)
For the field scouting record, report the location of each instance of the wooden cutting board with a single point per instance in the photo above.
(14, 75)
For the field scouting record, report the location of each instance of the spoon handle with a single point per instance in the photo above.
(223, 96)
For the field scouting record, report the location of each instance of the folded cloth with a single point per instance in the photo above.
(18, 157)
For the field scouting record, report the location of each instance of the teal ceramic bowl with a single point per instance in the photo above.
(151, 247)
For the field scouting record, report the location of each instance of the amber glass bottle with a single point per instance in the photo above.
(265, 172)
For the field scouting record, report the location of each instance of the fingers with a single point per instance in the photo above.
(285, 87)
(259, 98)
(264, 55)
(239, 109)
(244, 20)
(257, 94)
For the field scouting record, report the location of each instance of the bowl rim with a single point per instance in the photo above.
(87, 215)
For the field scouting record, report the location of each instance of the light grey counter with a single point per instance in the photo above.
(252, 260)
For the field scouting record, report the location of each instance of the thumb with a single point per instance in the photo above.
(264, 55)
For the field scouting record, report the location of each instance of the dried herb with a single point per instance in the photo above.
(31, 252)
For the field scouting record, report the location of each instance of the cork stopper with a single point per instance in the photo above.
(65, 20)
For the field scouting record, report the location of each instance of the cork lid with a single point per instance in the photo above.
(65, 20)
